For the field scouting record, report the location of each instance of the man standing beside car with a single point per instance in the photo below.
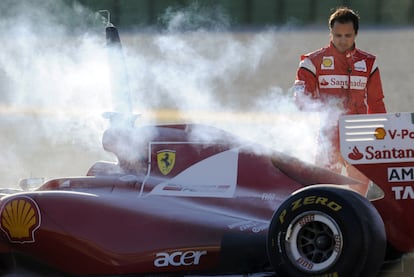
(339, 75)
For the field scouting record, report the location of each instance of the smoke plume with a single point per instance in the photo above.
(55, 83)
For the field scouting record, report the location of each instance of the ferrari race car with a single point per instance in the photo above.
(177, 204)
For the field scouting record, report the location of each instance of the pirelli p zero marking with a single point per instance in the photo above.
(313, 199)
(316, 200)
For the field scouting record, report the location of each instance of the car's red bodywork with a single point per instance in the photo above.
(209, 212)
(396, 214)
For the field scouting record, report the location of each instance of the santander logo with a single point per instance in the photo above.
(324, 82)
(355, 154)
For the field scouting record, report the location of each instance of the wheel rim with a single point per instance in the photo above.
(313, 242)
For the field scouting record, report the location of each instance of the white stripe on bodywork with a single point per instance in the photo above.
(215, 176)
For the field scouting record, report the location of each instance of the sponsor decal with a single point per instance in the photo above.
(179, 258)
(360, 66)
(268, 196)
(371, 153)
(380, 133)
(255, 227)
(166, 161)
(403, 192)
(316, 200)
(400, 174)
(401, 134)
(327, 62)
(194, 188)
(19, 219)
(343, 81)
(355, 154)
(307, 219)
(379, 138)
(197, 180)
(323, 82)
(305, 263)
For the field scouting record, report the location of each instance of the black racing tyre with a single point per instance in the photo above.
(326, 231)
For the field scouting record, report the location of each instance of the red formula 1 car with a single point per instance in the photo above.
(178, 204)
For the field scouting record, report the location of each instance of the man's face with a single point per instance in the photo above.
(343, 36)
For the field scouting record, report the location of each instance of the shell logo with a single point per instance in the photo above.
(327, 62)
(19, 219)
(380, 133)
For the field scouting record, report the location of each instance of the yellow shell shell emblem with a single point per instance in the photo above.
(19, 219)
(327, 62)
(165, 161)
(380, 133)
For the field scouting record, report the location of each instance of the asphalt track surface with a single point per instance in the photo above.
(33, 154)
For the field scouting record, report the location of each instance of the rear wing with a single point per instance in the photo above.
(379, 145)
(382, 147)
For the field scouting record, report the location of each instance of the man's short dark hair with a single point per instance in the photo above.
(344, 15)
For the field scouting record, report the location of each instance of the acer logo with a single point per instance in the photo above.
(178, 258)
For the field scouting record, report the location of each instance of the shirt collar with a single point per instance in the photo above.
(346, 53)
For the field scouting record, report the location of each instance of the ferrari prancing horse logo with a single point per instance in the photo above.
(165, 161)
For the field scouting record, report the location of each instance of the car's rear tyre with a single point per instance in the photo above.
(329, 231)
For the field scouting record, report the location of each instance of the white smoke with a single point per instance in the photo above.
(56, 83)
(210, 74)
